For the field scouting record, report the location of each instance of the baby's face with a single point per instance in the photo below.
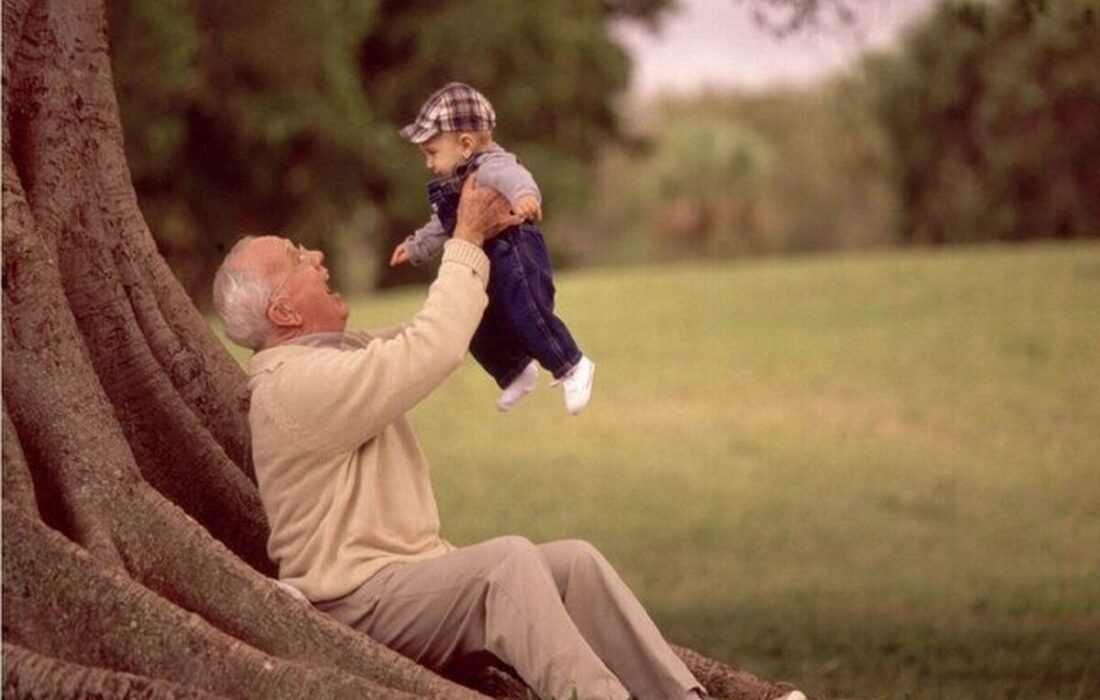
(443, 152)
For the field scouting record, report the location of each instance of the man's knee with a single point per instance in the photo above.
(572, 557)
(583, 553)
(513, 548)
(516, 562)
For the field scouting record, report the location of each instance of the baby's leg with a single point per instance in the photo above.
(495, 349)
(522, 287)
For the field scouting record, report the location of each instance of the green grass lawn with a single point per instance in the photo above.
(875, 476)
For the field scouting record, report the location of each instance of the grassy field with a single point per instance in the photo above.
(875, 476)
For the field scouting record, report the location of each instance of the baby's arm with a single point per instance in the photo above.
(528, 207)
(426, 242)
(503, 173)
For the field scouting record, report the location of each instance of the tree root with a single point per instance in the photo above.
(32, 676)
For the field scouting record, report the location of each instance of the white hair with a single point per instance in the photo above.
(241, 295)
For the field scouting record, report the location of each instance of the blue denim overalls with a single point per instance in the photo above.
(519, 323)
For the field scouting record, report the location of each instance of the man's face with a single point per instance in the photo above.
(301, 297)
(443, 152)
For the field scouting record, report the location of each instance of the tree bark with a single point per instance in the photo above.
(28, 674)
(134, 540)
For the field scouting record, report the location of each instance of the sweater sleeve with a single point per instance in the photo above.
(339, 399)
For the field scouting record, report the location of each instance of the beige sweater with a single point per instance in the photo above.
(341, 475)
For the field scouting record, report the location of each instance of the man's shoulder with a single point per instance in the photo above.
(305, 349)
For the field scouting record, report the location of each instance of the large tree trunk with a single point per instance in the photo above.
(133, 536)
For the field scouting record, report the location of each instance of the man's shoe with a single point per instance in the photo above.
(578, 385)
(522, 385)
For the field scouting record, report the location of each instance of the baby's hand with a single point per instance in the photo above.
(400, 255)
(528, 207)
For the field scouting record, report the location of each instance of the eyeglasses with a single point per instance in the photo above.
(299, 258)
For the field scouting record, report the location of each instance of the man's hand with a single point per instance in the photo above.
(482, 213)
(400, 255)
(528, 207)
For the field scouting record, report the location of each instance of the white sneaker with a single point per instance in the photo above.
(794, 695)
(578, 385)
(520, 387)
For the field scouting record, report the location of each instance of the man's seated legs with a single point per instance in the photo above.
(614, 623)
(497, 596)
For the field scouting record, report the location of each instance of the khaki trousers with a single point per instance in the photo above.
(557, 613)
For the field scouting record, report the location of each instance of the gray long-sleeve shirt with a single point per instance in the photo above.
(496, 168)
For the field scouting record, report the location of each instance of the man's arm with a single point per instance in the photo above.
(333, 400)
(479, 209)
(343, 398)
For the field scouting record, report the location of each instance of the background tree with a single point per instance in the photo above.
(992, 112)
(788, 171)
(242, 117)
(283, 116)
(133, 537)
(702, 171)
(785, 17)
(263, 116)
(980, 126)
(551, 70)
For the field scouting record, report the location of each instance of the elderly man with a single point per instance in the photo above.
(347, 491)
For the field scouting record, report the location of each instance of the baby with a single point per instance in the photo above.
(519, 330)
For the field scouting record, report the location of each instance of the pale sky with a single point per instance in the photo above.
(715, 43)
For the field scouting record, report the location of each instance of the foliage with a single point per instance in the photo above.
(240, 117)
(993, 111)
(777, 172)
(248, 116)
(282, 116)
(550, 69)
(982, 126)
(786, 17)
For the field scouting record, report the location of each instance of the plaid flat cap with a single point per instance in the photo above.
(453, 107)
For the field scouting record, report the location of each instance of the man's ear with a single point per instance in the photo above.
(283, 316)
